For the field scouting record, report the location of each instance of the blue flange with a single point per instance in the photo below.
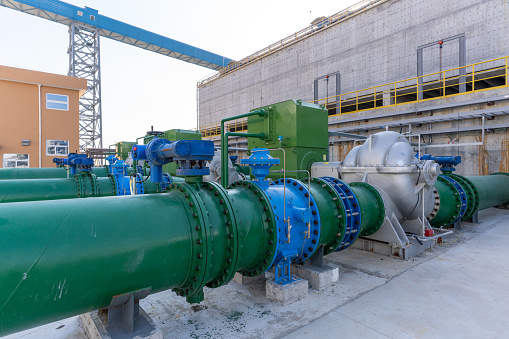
(352, 212)
(463, 196)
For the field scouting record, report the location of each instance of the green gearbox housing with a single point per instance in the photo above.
(297, 127)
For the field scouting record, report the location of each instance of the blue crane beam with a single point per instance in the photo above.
(64, 13)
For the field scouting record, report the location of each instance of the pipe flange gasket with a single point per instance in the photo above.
(201, 251)
(352, 210)
(270, 229)
(462, 196)
(469, 191)
(80, 186)
(95, 184)
(311, 245)
(339, 214)
(381, 207)
(472, 201)
(231, 263)
(113, 181)
(474, 189)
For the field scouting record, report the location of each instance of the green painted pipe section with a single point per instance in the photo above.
(450, 204)
(72, 256)
(332, 214)
(492, 189)
(255, 227)
(372, 207)
(78, 254)
(43, 173)
(80, 186)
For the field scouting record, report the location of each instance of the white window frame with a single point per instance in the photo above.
(16, 160)
(48, 144)
(66, 102)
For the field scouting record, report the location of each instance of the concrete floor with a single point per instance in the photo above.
(457, 290)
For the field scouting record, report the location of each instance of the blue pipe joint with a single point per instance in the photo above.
(260, 162)
(166, 181)
(119, 168)
(297, 218)
(352, 212)
(463, 197)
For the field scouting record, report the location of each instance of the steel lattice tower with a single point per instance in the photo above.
(84, 62)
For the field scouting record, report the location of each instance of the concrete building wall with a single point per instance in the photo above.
(19, 113)
(375, 47)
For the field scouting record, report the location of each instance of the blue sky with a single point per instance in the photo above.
(142, 88)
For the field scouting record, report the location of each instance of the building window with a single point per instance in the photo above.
(57, 147)
(57, 101)
(12, 160)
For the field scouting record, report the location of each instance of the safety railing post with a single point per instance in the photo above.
(506, 72)
(473, 78)
(443, 83)
(395, 95)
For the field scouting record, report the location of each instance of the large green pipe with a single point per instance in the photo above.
(80, 186)
(75, 255)
(372, 207)
(43, 173)
(481, 192)
(491, 189)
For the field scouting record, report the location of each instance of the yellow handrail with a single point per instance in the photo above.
(400, 92)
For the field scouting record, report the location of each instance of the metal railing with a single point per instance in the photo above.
(302, 34)
(212, 130)
(474, 78)
(456, 81)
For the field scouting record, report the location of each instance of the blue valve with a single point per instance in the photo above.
(447, 163)
(190, 155)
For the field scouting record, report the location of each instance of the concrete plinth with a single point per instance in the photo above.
(319, 278)
(286, 294)
(243, 280)
(144, 328)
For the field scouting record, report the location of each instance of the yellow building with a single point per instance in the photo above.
(39, 116)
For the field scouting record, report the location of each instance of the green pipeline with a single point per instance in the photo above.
(43, 173)
(73, 256)
(481, 192)
(82, 185)
(333, 212)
